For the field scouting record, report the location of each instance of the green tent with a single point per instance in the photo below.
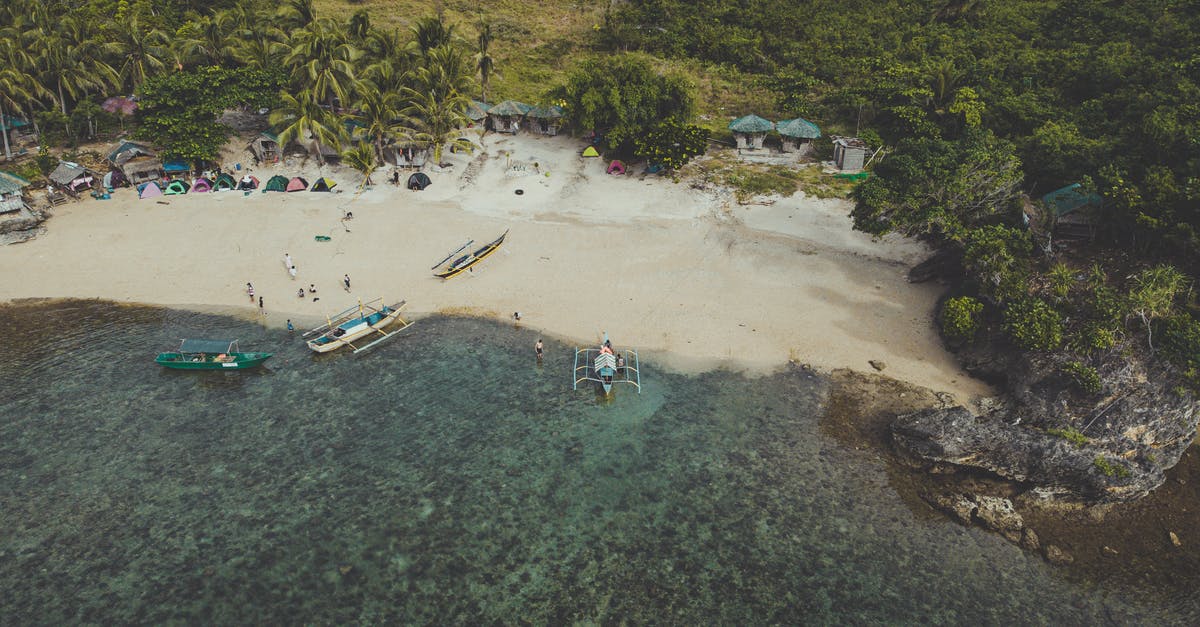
(276, 183)
(176, 187)
(224, 182)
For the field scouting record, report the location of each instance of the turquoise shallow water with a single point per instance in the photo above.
(445, 478)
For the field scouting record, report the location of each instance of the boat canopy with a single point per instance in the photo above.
(208, 346)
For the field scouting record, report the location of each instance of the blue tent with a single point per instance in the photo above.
(176, 166)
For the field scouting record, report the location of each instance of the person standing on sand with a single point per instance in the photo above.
(287, 260)
(292, 271)
(250, 291)
(346, 280)
(312, 288)
(260, 306)
(537, 348)
(290, 327)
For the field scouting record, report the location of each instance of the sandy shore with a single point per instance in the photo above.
(687, 276)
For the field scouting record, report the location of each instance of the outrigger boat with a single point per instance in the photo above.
(357, 323)
(210, 355)
(465, 262)
(603, 366)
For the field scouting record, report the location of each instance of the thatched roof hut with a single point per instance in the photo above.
(545, 120)
(749, 131)
(137, 162)
(797, 135)
(477, 110)
(71, 176)
(506, 117)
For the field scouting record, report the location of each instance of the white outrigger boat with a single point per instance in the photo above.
(357, 323)
(605, 367)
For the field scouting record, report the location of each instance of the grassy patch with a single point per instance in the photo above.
(1070, 434)
(1110, 469)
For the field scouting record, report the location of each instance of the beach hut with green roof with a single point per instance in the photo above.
(797, 135)
(545, 120)
(749, 131)
(477, 111)
(12, 192)
(507, 116)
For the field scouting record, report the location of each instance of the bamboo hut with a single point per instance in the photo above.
(507, 116)
(749, 131)
(545, 120)
(797, 135)
(137, 162)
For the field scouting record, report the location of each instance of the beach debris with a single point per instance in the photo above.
(1174, 538)
(1057, 556)
(877, 364)
(519, 192)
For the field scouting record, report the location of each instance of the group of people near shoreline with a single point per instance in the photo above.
(290, 266)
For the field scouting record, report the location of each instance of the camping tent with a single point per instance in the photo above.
(297, 184)
(248, 182)
(149, 190)
(177, 187)
(224, 182)
(201, 185)
(323, 185)
(590, 151)
(616, 167)
(114, 179)
(276, 183)
(418, 181)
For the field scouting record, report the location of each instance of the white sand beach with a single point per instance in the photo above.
(687, 276)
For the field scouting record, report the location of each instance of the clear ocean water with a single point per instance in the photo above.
(445, 478)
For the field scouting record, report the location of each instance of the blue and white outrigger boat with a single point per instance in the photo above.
(357, 323)
(606, 367)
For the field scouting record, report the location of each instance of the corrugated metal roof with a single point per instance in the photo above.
(510, 107)
(798, 127)
(8, 122)
(1070, 198)
(10, 183)
(751, 124)
(67, 172)
(128, 147)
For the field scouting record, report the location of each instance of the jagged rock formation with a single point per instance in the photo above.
(1051, 436)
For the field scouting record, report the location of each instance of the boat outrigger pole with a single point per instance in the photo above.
(460, 249)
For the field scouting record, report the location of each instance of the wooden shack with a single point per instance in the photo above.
(797, 135)
(1071, 210)
(507, 116)
(265, 147)
(849, 153)
(138, 163)
(72, 177)
(544, 120)
(749, 131)
(12, 192)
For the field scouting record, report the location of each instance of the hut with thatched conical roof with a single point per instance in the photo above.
(749, 131)
(507, 116)
(545, 120)
(797, 135)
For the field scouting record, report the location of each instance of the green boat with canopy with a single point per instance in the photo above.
(210, 355)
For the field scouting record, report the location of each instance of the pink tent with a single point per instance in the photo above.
(297, 184)
(616, 167)
(201, 185)
(149, 190)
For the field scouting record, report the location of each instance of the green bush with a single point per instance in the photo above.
(1060, 278)
(1070, 434)
(1086, 377)
(1034, 325)
(1110, 469)
(1093, 337)
(1178, 337)
(960, 318)
(997, 257)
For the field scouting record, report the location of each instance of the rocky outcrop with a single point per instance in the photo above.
(21, 226)
(1051, 436)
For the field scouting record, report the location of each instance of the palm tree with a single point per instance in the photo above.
(19, 88)
(321, 57)
(438, 122)
(306, 119)
(445, 72)
(362, 159)
(297, 14)
(431, 32)
(483, 60)
(68, 63)
(211, 40)
(378, 113)
(142, 51)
